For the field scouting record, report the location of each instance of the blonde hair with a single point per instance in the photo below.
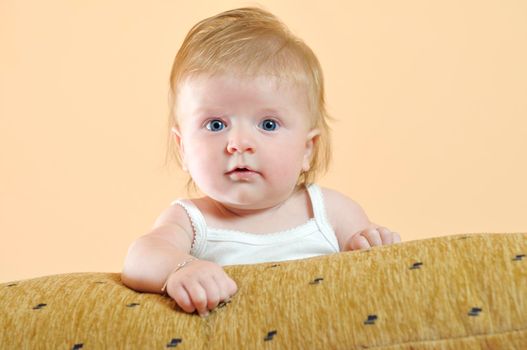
(252, 41)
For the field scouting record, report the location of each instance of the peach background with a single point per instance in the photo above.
(431, 99)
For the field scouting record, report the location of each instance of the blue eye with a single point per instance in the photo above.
(215, 125)
(269, 125)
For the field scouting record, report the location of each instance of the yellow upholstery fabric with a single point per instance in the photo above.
(456, 292)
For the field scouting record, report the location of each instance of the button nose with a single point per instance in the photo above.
(240, 141)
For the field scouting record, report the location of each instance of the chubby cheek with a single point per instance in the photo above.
(202, 161)
(284, 164)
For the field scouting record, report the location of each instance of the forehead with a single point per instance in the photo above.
(220, 91)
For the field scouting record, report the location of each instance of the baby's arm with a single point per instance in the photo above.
(151, 260)
(353, 228)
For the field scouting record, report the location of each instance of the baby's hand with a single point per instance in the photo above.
(374, 236)
(200, 285)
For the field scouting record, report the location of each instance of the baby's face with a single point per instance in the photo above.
(228, 122)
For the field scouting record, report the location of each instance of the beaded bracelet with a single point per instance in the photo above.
(180, 265)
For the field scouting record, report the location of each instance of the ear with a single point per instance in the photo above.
(181, 149)
(311, 139)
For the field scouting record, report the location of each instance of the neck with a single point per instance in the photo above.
(227, 210)
(240, 212)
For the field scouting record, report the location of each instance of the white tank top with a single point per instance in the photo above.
(231, 247)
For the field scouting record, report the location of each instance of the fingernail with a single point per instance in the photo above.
(205, 314)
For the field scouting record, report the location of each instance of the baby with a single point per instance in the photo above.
(250, 126)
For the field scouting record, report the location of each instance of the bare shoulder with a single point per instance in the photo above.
(173, 225)
(174, 214)
(339, 203)
(345, 214)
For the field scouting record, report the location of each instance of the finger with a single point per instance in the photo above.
(359, 242)
(233, 287)
(373, 236)
(396, 238)
(198, 296)
(225, 287)
(180, 295)
(213, 291)
(386, 235)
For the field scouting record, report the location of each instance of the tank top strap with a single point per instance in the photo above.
(319, 211)
(198, 224)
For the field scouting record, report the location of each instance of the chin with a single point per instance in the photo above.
(248, 197)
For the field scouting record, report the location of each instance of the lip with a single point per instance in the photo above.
(241, 166)
(244, 176)
(237, 174)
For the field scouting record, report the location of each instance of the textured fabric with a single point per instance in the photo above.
(231, 247)
(446, 293)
